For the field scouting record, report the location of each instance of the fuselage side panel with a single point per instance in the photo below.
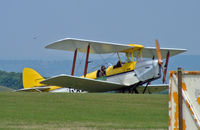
(111, 70)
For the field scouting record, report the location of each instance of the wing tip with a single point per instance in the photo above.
(49, 46)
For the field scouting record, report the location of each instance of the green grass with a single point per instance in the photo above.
(19, 110)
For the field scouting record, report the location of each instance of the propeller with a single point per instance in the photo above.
(164, 69)
(158, 53)
(160, 61)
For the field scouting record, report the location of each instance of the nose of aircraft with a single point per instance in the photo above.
(157, 63)
(148, 70)
(158, 68)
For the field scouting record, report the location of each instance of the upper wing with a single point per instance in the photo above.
(85, 84)
(34, 89)
(150, 52)
(95, 46)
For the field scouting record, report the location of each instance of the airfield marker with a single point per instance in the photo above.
(180, 99)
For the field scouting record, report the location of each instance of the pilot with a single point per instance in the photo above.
(119, 64)
(101, 72)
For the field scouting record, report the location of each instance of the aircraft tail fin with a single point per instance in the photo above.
(31, 78)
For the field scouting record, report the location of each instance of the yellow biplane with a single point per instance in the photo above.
(125, 75)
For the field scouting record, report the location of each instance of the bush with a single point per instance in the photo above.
(11, 79)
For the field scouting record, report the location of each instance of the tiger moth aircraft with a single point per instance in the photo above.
(124, 76)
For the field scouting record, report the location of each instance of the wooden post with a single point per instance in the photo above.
(86, 61)
(74, 62)
(180, 98)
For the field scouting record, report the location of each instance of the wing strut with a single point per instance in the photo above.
(86, 61)
(119, 58)
(165, 67)
(74, 62)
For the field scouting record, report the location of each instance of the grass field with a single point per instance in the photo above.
(20, 110)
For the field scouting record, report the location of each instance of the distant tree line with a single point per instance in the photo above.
(11, 79)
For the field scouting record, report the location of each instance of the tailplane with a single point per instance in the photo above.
(31, 78)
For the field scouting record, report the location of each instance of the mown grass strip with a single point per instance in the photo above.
(89, 110)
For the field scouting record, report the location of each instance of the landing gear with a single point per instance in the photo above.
(135, 90)
(146, 88)
(129, 90)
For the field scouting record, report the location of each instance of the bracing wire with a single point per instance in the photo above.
(80, 62)
(105, 61)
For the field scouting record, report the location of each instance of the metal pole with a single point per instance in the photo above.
(74, 62)
(180, 98)
(86, 61)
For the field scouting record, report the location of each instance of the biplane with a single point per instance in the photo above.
(125, 75)
(142, 66)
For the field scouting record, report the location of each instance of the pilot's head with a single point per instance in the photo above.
(103, 68)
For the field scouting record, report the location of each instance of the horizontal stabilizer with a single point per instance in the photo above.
(156, 85)
(85, 84)
(34, 89)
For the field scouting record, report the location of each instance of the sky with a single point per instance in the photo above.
(27, 26)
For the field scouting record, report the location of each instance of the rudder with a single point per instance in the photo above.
(31, 78)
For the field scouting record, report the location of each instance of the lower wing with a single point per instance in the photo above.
(85, 84)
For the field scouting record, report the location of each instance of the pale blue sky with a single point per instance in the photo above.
(26, 26)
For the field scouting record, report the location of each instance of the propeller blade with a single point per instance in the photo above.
(158, 53)
(165, 67)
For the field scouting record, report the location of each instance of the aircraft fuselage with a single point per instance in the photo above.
(131, 73)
